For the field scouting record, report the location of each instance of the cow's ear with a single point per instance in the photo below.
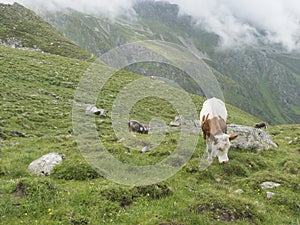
(232, 136)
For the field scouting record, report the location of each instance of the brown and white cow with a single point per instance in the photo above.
(213, 117)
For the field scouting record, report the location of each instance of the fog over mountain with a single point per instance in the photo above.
(236, 22)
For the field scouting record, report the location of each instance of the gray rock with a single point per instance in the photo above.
(145, 148)
(92, 109)
(270, 194)
(250, 137)
(218, 180)
(44, 165)
(239, 191)
(269, 184)
(177, 121)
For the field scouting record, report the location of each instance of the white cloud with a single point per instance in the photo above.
(235, 21)
(238, 21)
(109, 7)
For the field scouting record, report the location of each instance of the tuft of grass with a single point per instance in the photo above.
(74, 169)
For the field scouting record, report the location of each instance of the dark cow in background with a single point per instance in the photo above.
(261, 125)
(136, 126)
(213, 117)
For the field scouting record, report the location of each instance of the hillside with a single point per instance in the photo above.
(22, 28)
(262, 80)
(37, 103)
(36, 118)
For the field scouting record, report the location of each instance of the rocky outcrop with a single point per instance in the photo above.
(250, 137)
(44, 165)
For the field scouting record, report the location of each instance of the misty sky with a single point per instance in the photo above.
(236, 21)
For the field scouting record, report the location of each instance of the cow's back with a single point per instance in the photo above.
(213, 107)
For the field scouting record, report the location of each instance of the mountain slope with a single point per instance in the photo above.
(264, 81)
(37, 97)
(22, 28)
(36, 100)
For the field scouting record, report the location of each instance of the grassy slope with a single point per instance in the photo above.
(36, 99)
(31, 31)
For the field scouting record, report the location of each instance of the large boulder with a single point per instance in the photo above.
(250, 137)
(44, 165)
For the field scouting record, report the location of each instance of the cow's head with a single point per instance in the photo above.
(219, 146)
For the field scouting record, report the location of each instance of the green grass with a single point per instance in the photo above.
(31, 31)
(37, 90)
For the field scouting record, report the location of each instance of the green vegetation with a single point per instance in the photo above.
(26, 29)
(36, 100)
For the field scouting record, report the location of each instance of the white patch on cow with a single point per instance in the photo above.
(213, 107)
(218, 148)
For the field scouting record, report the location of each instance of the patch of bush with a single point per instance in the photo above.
(230, 209)
(235, 168)
(254, 162)
(42, 189)
(289, 200)
(171, 223)
(154, 191)
(74, 169)
(291, 166)
(123, 195)
(78, 220)
(2, 171)
(207, 175)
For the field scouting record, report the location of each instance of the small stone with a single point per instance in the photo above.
(218, 180)
(144, 149)
(100, 121)
(269, 184)
(270, 194)
(239, 191)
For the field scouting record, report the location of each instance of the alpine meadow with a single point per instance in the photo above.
(43, 59)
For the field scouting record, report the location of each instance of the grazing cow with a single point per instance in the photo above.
(136, 126)
(213, 118)
(261, 125)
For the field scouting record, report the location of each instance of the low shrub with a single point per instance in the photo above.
(74, 169)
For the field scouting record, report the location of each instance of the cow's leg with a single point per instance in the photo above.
(209, 153)
(207, 159)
